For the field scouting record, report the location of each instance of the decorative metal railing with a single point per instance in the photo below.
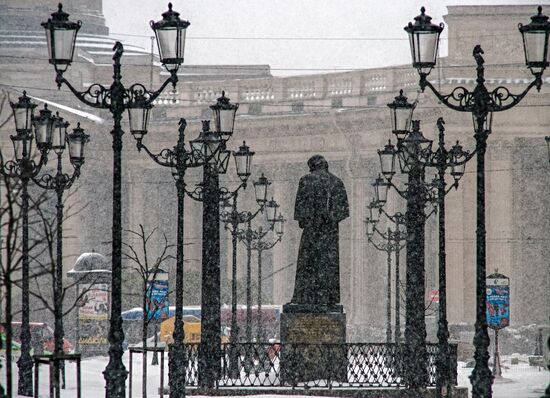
(336, 365)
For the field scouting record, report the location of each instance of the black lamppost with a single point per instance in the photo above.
(481, 103)
(415, 154)
(393, 244)
(547, 138)
(249, 236)
(61, 36)
(60, 182)
(210, 147)
(50, 133)
(260, 246)
(179, 160)
(24, 168)
(442, 159)
(232, 217)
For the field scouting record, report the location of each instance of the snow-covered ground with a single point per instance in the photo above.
(519, 381)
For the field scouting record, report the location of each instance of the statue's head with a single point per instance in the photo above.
(317, 162)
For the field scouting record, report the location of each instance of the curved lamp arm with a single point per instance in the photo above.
(164, 158)
(262, 245)
(59, 181)
(401, 193)
(381, 248)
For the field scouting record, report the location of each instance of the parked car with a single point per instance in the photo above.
(42, 338)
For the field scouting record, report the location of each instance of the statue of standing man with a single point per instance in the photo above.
(321, 203)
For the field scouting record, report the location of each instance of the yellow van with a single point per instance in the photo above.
(191, 328)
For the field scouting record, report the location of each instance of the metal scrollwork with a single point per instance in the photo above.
(11, 169)
(461, 96)
(138, 93)
(195, 194)
(502, 98)
(47, 181)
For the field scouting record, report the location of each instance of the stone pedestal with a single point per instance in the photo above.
(313, 346)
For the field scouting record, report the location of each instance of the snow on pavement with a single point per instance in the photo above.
(519, 381)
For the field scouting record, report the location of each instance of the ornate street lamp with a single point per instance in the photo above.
(381, 187)
(415, 154)
(61, 38)
(24, 168)
(250, 238)
(414, 147)
(76, 141)
(280, 226)
(116, 98)
(179, 160)
(170, 34)
(260, 245)
(535, 42)
(224, 116)
(60, 182)
(547, 138)
(260, 189)
(401, 112)
(138, 116)
(424, 42)
(210, 149)
(23, 112)
(271, 210)
(43, 125)
(232, 218)
(49, 133)
(481, 103)
(374, 211)
(387, 160)
(370, 227)
(243, 160)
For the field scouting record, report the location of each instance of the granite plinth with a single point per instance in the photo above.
(313, 347)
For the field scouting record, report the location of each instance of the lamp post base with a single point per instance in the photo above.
(115, 381)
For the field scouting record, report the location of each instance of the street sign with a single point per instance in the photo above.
(157, 296)
(498, 301)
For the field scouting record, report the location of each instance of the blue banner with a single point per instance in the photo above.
(157, 298)
(498, 304)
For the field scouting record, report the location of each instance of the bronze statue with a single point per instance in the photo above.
(321, 203)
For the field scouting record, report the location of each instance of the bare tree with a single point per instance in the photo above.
(46, 273)
(147, 269)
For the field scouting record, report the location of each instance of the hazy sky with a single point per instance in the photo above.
(285, 33)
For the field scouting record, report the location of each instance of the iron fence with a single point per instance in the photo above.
(331, 365)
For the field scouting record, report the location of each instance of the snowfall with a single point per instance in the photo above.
(518, 380)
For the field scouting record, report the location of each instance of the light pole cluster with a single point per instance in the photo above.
(208, 151)
(481, 103)
(392, 242)
(50, 133)
(255, 239)
(137, 100)
(214, 159)
(260, 246)
(414, 153)
(232, 218)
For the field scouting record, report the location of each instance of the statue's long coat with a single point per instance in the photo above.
(321, 203)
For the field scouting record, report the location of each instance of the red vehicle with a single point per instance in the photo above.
(42, 339)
